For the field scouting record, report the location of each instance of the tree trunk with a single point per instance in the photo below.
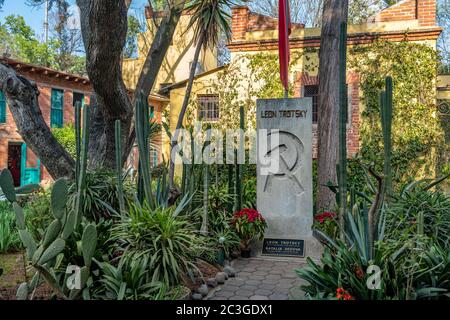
(22, 96)
(154, 60)
(104, 28)
(334, 13)
(184, 106)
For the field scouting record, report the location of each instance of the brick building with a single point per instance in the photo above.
(253, 33)
(59, 92)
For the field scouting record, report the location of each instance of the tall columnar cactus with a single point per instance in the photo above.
(142, 131)
(118, 136)
(206, 180)
(82, 163)
(78, 139)
(386, 121)
(343, 110)
(239, 171)
(230, 185)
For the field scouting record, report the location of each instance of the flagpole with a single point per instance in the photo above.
(286, 90)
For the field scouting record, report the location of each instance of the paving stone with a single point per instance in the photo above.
(238, 298)
(257, 297)
(284, 285)
(224, 293)
(253, 282)
(273, 276)
(296, 294)
(257, 277)
(248, 287)
(245, 293)
(270, 281)
(278, 296)
(266, 286)
(236, 282)
(263, 292)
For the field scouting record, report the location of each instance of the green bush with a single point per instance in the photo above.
(9, 237)
(168, 240)
(66, 137)
(100, 199)
(38, 214)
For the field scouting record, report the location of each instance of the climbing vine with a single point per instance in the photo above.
(417, 134)
(417, 130)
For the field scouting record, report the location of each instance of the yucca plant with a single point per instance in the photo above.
(166, 238)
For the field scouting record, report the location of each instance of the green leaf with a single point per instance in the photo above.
(52, 251)
(22, 292)
(59, 197)
(28, 242)
(20, 217)
(7, 185)
(69, 227)
(52, 232)
(89, 243)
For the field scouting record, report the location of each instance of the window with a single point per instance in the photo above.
(56, 112)
(2, 108)
(313, 92)
(152, 112)
(208, 108)
(154, 157)
(78, 97)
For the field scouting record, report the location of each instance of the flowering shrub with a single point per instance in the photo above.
(249, 224)
(342, 294)
(327, 223)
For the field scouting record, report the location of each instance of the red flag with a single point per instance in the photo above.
(284, 30)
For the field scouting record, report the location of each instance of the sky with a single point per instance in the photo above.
(34, 17)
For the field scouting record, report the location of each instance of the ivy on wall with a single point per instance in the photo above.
(417, 130)
(417, 134)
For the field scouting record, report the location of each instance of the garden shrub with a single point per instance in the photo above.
(417, 134)
(9, 237)
(168, 240)
(66, 137)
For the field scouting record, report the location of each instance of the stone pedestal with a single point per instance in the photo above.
(284, 177)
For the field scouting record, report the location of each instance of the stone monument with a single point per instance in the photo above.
(285, 191)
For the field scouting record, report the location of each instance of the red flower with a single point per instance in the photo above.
(342, 294)
(325, 216)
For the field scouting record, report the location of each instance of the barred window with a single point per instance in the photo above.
(313, 92)
(208, 107)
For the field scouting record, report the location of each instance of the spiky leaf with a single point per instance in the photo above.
(59, 197)
(28, 242)
(7, 185)
(52, 232)
(89, 243)
(20, 217)
(52, 251)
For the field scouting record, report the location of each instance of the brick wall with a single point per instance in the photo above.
(8, 130)
(304, 79)
(422, 10)
(239, 23)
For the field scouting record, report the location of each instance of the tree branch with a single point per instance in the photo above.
(22, 96)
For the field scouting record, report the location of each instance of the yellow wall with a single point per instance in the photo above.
(178, 59)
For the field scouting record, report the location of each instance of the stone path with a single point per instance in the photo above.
(261, 279)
